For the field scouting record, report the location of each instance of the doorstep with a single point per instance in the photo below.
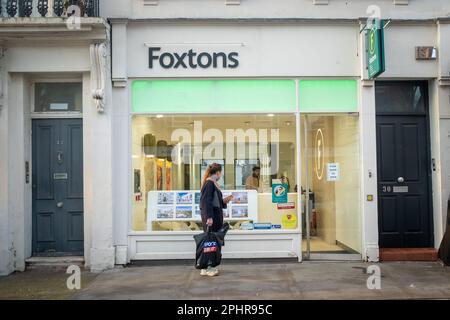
(408, 254)
(54, 262)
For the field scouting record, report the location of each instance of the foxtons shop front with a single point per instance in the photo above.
(282, 120)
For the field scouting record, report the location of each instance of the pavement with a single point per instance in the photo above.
(307, 280)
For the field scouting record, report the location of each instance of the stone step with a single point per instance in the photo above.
(59, 263)
(408, 254)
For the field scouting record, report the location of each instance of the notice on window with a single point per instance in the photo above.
(286, 206)
(59, 106)
(279, 193)
(333, 172)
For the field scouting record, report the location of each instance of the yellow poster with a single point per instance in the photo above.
(289, 221)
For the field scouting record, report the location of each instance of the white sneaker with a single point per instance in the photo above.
(212, 272)
(203, 272)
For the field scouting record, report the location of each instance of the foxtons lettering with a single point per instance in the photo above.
(192, 59)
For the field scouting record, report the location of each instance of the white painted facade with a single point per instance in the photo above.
(293, 39)
(45, 49)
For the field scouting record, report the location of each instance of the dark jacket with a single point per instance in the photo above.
(212, 205)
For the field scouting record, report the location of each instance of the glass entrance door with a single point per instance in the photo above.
(330, 187)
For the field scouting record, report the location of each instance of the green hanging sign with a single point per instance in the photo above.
(375, 49)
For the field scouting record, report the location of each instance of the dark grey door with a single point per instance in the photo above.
(58, 187)
(404, 201)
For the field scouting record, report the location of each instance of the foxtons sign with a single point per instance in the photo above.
(192, 59)
(375, 49)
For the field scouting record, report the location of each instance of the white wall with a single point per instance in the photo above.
(16, 170)
(121, 174)
(267, 50)
(6, 253)
(400, 43)
(98, 181)
(344, 9)
(64, 57)
(441, 103)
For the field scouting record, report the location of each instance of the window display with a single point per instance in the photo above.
(252, 149)
(162, 207)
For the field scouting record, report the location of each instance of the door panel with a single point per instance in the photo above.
(403, 181)
(74, 134)
(46, 227)
(411, 154)
(46, 134)
(390, 222)
(58, 187)
(387, 151)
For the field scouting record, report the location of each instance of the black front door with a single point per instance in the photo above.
(404, 202)
(58, 187)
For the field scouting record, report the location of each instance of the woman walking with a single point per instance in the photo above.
(212, 204)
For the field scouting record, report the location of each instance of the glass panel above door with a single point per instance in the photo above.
(401, 96)
(58, 96)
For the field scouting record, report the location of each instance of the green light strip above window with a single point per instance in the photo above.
(243, 96)
(213, 96)
(328, 95)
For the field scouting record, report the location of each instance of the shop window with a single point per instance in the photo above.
(170, 154)
(58, 97)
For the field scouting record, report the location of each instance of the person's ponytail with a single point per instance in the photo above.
(210, 170)
(206, 175)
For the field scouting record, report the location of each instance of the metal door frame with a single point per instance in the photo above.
(307, 254)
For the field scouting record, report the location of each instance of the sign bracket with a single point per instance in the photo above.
(386, 23)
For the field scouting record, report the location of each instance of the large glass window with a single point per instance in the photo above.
(171, 152)
(331, 184)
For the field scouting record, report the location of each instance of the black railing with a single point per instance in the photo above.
(59, 8)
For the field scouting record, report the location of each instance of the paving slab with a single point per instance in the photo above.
(307, 280)
(247, 281)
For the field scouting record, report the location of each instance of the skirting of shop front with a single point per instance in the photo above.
(238, 244)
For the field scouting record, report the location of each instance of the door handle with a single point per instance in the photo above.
(60, 204)
(400, 179)
(60, 157)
